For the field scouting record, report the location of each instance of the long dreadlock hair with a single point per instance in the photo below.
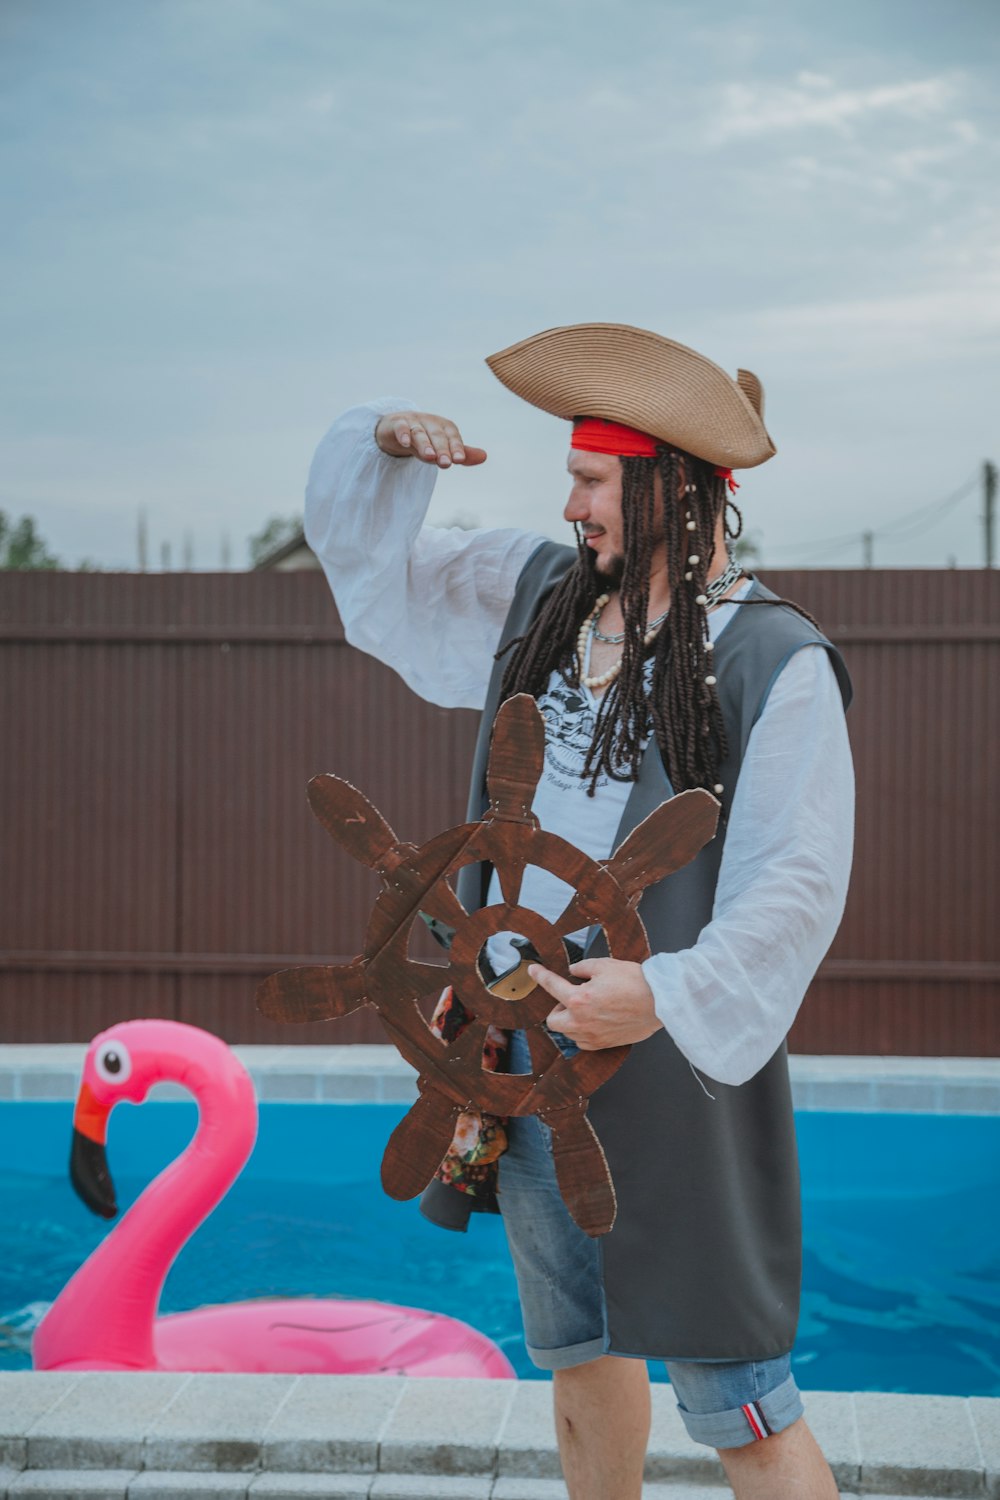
(683, 709)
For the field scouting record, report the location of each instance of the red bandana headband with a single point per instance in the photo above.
(595, 435)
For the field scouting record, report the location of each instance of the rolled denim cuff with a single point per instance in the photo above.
(746, 1424)
(569, 1355)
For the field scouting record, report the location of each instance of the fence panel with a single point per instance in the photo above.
(161, 857)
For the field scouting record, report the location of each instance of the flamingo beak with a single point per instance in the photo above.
(88, 1161)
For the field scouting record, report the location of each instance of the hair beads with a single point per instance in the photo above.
(685, 714)
(683, 702)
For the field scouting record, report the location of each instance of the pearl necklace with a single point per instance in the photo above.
(590, 625)
(713, 593)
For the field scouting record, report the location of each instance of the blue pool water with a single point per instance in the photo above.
(901, 1218)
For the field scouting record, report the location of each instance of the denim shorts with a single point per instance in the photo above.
(558, 1267)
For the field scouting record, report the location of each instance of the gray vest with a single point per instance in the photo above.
(704, 1260)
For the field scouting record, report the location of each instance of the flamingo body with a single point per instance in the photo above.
(106, 1318)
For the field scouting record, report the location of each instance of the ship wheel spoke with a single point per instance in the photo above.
(454, 1065)
(543, 1049)
(458, 1067)
(517, 754)
(418, 1145)
(571, 918)
(314, 992)
(667, 839)
(511, 875)
(413, 1038)
(350, 819)
(422, 979)
(405, 1022)
(441, 903)
(465, 1054)
(582, 1171)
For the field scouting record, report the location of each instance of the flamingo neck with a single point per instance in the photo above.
(111, 1303)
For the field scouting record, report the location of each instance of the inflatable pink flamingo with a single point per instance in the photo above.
(105, 1316)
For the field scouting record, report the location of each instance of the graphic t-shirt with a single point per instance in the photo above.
(562, 805)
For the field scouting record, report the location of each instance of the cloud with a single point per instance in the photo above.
(880, 169)
(944, 318)
(815, 101)
(879, 152)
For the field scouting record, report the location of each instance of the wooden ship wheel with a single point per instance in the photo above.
(451, 1076)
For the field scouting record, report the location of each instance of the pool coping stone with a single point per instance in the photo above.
(304, 1436)
(73, 1484)
(101, 1422)
(216, 1422)
(259, 1427)
(376, 1074)
(416, 1441)
(183, 1485)
(292, 1486)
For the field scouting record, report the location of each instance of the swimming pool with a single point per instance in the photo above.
(901, 1218)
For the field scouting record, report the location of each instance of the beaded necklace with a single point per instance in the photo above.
(589, 625)
(713, 593)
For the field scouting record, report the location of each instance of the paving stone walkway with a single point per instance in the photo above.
(108, 1485)
(108, 1436)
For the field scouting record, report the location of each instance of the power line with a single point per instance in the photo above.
(838, 543)
(928, 514)
(903, 528)
(851, 541)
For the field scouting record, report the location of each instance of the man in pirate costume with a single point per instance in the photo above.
(658, 665)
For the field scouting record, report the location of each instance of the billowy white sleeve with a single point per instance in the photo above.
(729, 1001)
(428, 601)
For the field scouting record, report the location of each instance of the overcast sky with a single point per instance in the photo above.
(226, 220)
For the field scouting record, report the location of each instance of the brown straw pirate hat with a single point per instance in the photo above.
(629, 375)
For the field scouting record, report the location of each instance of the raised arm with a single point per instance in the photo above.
(428, 601)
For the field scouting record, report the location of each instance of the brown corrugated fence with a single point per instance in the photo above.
(160, 858)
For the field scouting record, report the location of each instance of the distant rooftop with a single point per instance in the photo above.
(295, 553)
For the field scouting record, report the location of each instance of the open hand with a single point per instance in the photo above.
(421, 434)
(614, 1007)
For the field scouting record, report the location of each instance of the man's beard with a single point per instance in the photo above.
(611, 570)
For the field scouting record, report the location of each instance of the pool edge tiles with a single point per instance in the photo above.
(377, 1074)
(906, 1445)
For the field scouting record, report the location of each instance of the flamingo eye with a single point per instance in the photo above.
(113, 1063)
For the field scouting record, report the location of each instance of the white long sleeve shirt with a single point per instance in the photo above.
(430, 603)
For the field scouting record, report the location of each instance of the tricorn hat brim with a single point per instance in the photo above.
(630, 375)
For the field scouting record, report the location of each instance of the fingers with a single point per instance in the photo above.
(432, 439)
(429, 444)
(569, 1025)
(561, 1018)
(400, 431)
(560, 989)
(587, 968)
